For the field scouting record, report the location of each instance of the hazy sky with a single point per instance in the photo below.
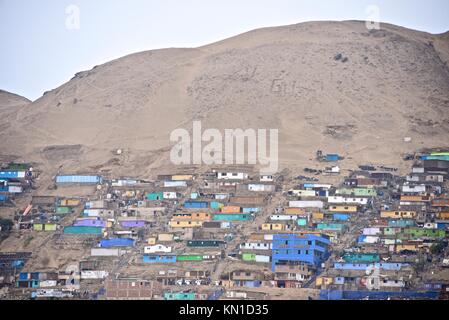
(43, 45)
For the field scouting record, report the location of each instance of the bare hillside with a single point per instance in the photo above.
(334, 86)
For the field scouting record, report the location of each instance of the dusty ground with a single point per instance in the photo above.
(395, 84)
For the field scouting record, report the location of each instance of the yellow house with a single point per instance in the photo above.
(398, 214)
(443, 215)
(324, 281)
(152, 241)
(408, 246)
(185, 224)
(317, 216)
(44, 227)
(165, 237)
(70, 202)
(182, 177)
(227, 283)
(272, 226)
(349, 209)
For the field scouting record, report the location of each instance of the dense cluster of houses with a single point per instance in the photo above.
(223, 233)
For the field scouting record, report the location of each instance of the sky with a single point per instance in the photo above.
(44, 43)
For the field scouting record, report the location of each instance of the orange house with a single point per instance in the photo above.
(182, 217)
(294, 211)
(317, 216)
(230, 209)
(414, 198)
(201, 216)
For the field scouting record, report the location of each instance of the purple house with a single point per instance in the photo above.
(133, 224)
(90, 223)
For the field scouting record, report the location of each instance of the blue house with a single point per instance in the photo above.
(159, 259)
(196, 205)
(292, 248)
(250, 210)
(78, 179)
(117, 242)
(332, 157)
(391, 266)
(341, 216)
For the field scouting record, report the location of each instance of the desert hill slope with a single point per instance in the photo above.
(335, 86)
(8, 99)
(9, 106)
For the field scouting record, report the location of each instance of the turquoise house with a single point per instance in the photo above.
(180, 296)
(155, 196)
(231, 217)
(83, 230)
(216, 205)
(330, 226)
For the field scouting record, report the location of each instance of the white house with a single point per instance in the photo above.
(359, 201)
(283, 218)
(306, 204)
(371, 231)
(232, 175)
(170, 195)
(414, 189)
(175, 184)
(158, 248)
(256, 246)
(90, 274)
(266, 178)
(261, 187)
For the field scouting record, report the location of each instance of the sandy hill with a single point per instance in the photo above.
(8, 99)
(335, 86)
(9, 106)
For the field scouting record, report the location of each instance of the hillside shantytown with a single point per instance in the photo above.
(328, 232)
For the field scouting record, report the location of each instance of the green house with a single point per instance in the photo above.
(358, 192)
(189, 258)
(391, 231)
(302, 222)
(423, 233)
(248, 257)
(63, 210)
(17, 166)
